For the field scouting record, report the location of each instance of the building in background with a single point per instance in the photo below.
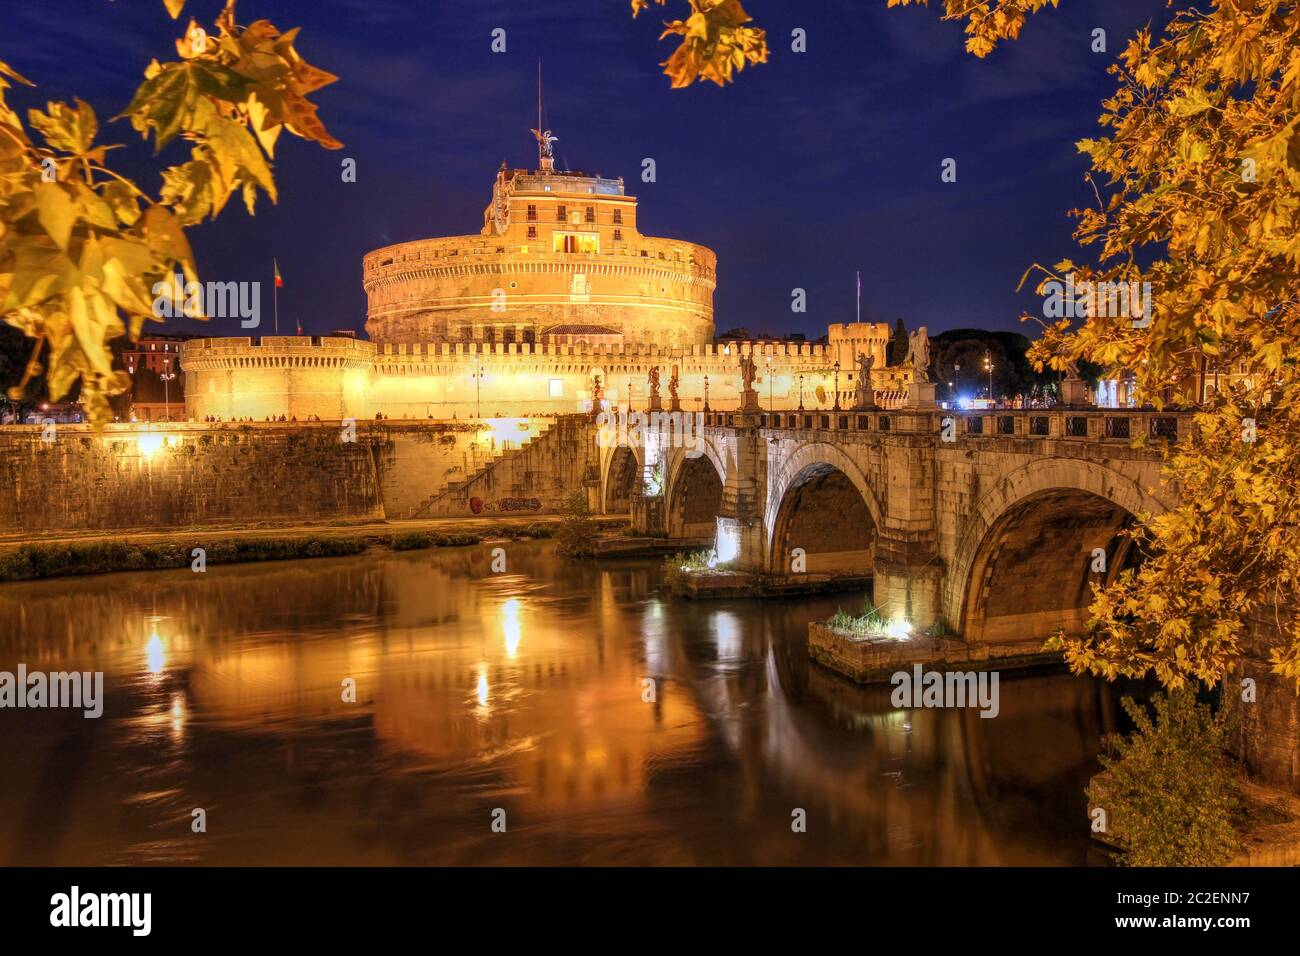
(156, 352)
(559, 296)
(157, 382)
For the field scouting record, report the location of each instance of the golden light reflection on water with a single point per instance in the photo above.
(511, 627)
(155, 653)
(525, 691)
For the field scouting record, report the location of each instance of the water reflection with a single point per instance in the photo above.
(525, 691)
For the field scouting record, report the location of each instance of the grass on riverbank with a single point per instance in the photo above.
(417, 540)
(679, 567)
(34, 562)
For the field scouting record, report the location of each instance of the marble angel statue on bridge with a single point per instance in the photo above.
(918, 354)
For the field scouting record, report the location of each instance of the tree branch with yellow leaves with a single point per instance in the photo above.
(82, 246)
(1198, 170)
(717, 42)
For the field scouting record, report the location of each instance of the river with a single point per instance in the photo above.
(590, 717)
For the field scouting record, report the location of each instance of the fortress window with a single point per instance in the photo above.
(574, 242)
(532, 232)
(561, 213)
(591, 214)
(532, 213)
(618, 235)
(618, 217)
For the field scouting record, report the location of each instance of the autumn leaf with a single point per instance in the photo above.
(79, 256)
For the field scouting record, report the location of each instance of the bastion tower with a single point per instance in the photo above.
(559, 258)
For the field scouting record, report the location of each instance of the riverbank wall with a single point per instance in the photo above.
(71, 479)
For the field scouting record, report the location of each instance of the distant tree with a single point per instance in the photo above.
(896, 351)
(576, 535)
(716, 42)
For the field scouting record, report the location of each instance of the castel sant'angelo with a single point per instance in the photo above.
(558, 300)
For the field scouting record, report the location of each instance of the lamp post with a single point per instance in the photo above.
(166, 377)
(837, 386)
(478, 388)
(956, 375)
(706, 393)
(770, 404)
(988, 366)
(800, 393)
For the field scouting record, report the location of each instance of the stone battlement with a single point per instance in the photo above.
(293, 347)
(336, 378)
(792, 352)
(276, 351)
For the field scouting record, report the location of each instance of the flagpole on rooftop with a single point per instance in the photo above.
(275, 286)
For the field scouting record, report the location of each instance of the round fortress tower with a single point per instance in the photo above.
(559, 255)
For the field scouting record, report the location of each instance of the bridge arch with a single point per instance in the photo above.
(693, 489)
(819, 500)
(622, 473)
(1023, 562)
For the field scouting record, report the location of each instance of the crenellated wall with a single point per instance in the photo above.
(337, 378)
(294, 376)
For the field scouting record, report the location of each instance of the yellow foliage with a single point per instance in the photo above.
(716, 42)
(1201, 160)
(81, 246)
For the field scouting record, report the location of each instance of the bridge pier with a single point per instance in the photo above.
(907, 584)
(909, 574)
(742, 534)
(647, 515)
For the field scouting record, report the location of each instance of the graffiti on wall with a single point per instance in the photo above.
(504, 505)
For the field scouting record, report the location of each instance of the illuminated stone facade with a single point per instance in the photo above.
(559, 252)
(559, 292)
(338, 378)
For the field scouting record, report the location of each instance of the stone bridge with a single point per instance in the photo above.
(985, 522)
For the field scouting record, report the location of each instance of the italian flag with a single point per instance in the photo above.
(279, 281)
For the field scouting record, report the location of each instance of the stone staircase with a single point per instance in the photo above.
(463, 489)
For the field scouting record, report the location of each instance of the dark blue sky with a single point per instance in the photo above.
(805, 170)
